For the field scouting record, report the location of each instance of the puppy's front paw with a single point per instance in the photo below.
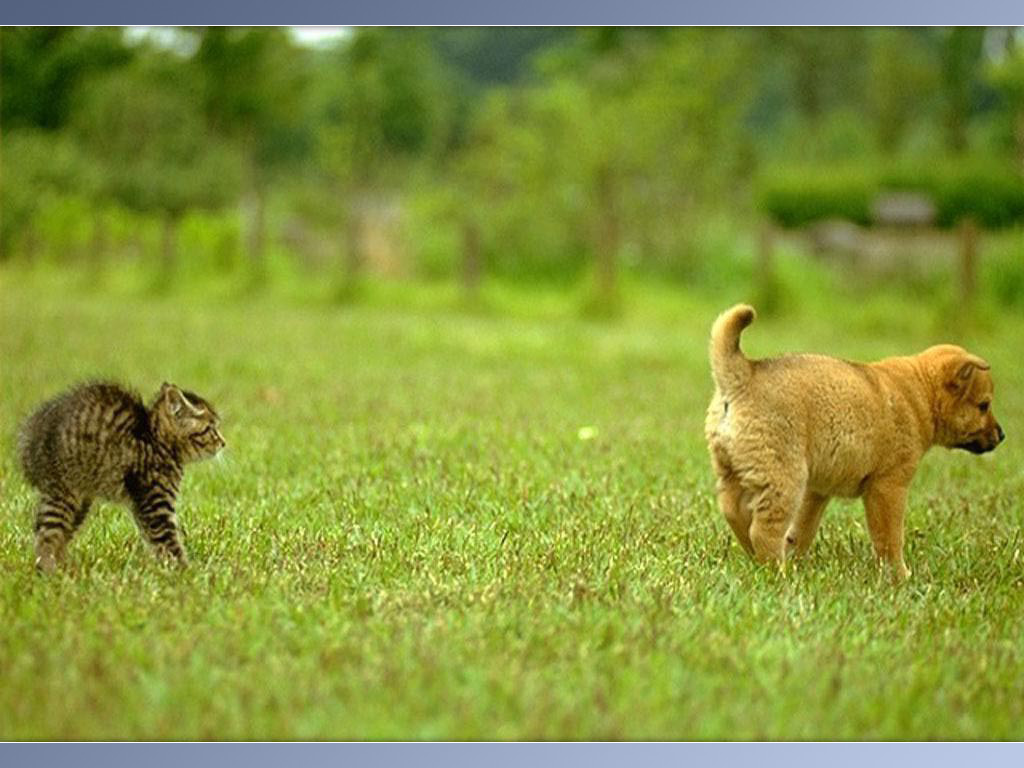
(900, 573)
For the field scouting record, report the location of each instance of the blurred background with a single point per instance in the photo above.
(751, 163)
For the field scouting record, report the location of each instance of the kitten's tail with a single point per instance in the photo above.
(729, 368)
(31, 444)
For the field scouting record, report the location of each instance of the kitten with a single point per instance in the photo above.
(99, 441)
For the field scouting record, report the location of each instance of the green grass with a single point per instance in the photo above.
(408, 538)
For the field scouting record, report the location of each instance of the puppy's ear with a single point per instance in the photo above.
(960, 371)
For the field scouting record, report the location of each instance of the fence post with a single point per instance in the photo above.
(607, 245)
(471, 262)
(764, 274)
(968, 262)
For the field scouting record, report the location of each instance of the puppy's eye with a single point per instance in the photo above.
(983, 407)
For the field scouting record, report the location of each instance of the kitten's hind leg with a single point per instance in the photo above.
(154, 512)
(57, 518)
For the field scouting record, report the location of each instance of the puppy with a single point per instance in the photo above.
(787, 434)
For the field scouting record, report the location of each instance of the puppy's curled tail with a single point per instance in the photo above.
(730, 369)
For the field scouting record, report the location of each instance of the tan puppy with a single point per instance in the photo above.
(786, 434)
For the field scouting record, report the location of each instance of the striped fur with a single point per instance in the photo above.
(99, 441)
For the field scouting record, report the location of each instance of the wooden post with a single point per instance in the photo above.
(968, 262)
(98, 247)
(1019, 136)
(169, 247)
(607, 245)
(352, 239)
(353, 244)
(257, 234)
(471, 261)
(765, 267)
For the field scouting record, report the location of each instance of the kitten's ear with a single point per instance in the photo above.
(173, 399)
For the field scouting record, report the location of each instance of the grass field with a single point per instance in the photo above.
(433, 523)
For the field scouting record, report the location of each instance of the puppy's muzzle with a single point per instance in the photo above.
(986, 442)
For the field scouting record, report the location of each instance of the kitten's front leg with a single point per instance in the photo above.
(153, 505)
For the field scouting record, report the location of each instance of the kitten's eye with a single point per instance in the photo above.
(983, 407)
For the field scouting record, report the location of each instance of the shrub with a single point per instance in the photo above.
(794, 197)
(990, 193)
(994, 197)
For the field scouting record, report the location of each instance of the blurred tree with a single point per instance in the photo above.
(960, 67)
(1007, 74)
(490, 56)
(253, 93)
(826, 65)
(627, 130)
(43, 67)
(152, 149)
(476, 59)
(902, 80)
(37, 166)
(383, 105)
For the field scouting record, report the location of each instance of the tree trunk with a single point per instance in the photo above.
(960, 58)
(98, 247)
(257, 245)
(353, 242)
(352, 246)
(608, 235)
(968, 263)
(766, 287)
(169, 249)
(32, 245)
(1018, 134)
(471, 261)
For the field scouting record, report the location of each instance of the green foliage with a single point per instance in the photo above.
(991, 194)
(495, 55)
(153, 148)
(795, 198)
(1002, 269)
(44, 66)
(825, 66)
(210, 243)
(37, 168)
(383, 98)
(609, 154)
(251, 88)
(523, 184)
(1007, 73)
(960, 66)
(903, 73)
(432, 232)
(565, 148)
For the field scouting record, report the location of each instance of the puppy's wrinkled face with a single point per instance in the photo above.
(964, 415)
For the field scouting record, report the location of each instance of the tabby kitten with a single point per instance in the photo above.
(99, 441)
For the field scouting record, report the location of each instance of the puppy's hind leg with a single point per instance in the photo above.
(737, 514)
(773, 507)
(805, 525)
